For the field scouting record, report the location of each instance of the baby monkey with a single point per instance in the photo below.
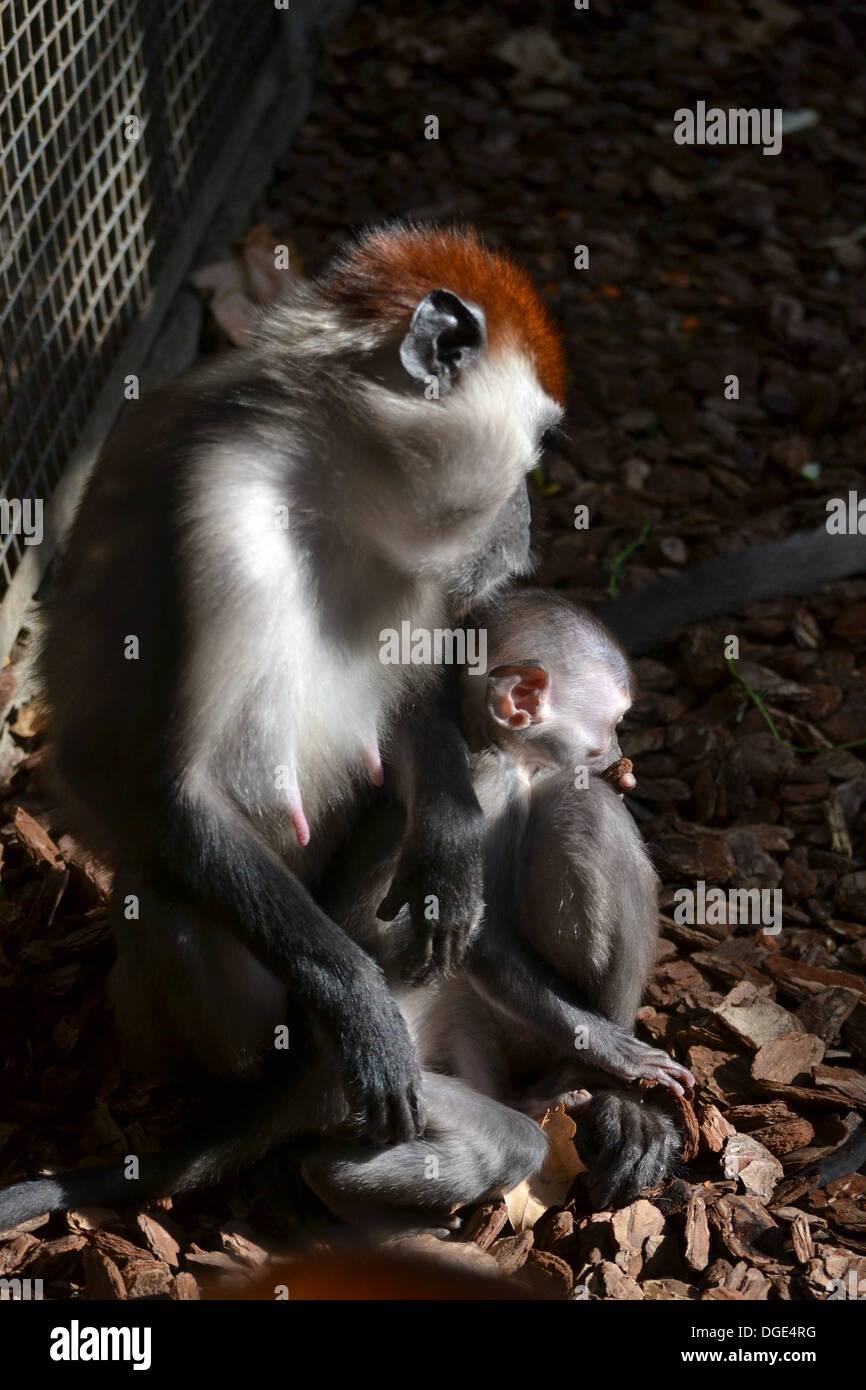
(543, 1010)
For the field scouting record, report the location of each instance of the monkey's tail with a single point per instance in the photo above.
(197, 1163)
(776, 569)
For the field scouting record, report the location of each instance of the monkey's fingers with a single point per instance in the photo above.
(407, 1118)
(435, 956)
(421, 970)
(683, 1074)
(656, 1068)
(393, 1118)
(678, 1072)
(440, 949)
(379, 1066)
(661, 1077)
(669, 1074)
(449, 945)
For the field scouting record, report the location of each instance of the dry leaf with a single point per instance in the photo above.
(263, 282)
(241, 286)
(233, 310)
(549, 1187)
(30, 720)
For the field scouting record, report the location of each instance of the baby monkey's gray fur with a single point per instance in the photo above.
(544, 1006)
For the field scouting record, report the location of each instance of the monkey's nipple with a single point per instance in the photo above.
(299, 821)
(373, 759)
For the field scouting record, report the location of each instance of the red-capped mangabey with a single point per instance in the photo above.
(544, 1005)
(212, 663)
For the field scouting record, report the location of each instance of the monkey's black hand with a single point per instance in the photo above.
(441, 876)
(378, 1066)
(627, 1144)
(624, 1056)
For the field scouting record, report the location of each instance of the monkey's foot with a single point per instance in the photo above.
(536, 1107)
(575, 1101)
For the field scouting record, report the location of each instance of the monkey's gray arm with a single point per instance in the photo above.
(509, 975)
(210, 854)
(440, 872)
(798, 565)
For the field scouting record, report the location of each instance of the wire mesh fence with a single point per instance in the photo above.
(112, 113)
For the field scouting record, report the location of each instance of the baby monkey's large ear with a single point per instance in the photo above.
(518, 695)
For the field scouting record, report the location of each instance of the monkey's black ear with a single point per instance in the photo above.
(518, 695)
(446, 334)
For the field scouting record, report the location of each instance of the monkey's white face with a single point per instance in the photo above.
(580, 728)
(498, 413)
(453, 461)
(594, 731)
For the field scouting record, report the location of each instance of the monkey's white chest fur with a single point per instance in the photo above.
(290, 700)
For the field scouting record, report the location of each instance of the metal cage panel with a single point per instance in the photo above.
(91, 205)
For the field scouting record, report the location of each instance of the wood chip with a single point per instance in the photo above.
(755, 1017)
(159, 1239)
(755, 1167)
(633, 1229)
(675, 1290)
(739, 1223)
(36, 841)
(512, 1252)
(185, 1286)
(147, 1279)
(715, 1129)
(546, 1275)
(697, 1232)
(102, 1278)
(804, 1247)
(825, 1013)
(851, 1083)
(803, 979)
(607, 1281)
(485, 1224)
(787, 1057)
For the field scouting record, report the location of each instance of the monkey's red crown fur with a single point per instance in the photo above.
(390, 269)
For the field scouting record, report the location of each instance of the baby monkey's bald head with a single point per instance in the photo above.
(557, 684)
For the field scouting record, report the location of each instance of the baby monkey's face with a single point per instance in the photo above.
(545, 717)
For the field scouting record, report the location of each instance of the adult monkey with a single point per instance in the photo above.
(212, 658)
